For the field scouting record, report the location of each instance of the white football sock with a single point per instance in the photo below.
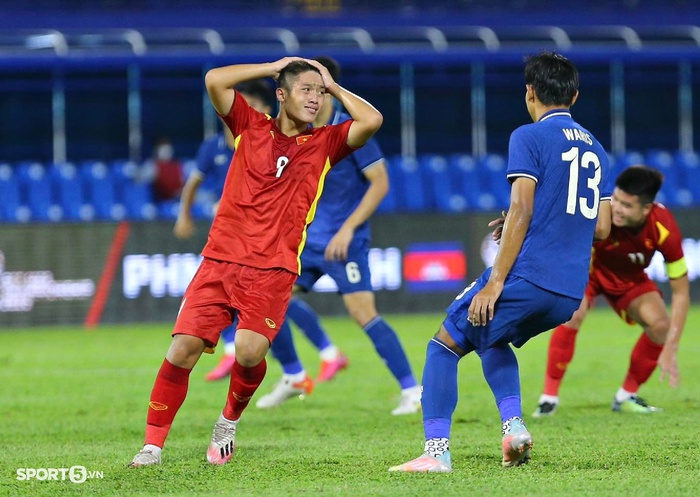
(329, 353)
(296, 377)
(622, 395)
(153, 448)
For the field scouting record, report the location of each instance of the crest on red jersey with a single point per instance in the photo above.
(303, 139)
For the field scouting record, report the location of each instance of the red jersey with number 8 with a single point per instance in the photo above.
(271, 190)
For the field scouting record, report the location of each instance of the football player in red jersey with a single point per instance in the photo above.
(640, 227)
(251, 258)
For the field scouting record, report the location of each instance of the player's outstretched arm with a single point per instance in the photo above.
(220, 81)
(680, 302)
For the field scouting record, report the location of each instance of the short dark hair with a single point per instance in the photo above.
(332, 65)
(259, 88)
(290, 73)
(553, 77)
(642, 181)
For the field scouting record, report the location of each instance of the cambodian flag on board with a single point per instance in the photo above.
(435, 267)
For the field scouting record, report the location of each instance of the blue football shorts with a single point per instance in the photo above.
(522, 311)
(351, 275)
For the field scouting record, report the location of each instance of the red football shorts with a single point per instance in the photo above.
(620, 296)
(220, 289)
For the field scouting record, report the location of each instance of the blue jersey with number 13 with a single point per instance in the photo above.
(572, 174)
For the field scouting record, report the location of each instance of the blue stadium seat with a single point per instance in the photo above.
(167, 210)
(689, 163)
(138, 201)
(673, 191)
(628, 158)
(444, 193)
(413, 194)
(99, 189)
(495, 188)
(68, 192)
(615, 167)
(464, 173)
(123, 172)
(438, 183)
(11, 208)
(203, 210)
(36, 186)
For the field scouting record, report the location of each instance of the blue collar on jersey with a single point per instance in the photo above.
(555, 113)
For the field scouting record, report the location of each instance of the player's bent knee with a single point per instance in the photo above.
(658, 331)
(185, 350)
(444, 337)
(251, 348)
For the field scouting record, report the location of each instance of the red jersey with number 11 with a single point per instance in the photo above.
(621, 258)
(271, 190)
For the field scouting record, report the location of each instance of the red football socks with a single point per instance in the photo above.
(645, 356)
(561, 352)
(244, 382)
(168, 394)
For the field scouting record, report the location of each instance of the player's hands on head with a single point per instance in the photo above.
(328, 80)
(280, 64)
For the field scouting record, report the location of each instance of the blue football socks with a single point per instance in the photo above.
(389, 348)
(500, 367)
(440, 394)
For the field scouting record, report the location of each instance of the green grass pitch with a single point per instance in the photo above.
(69, 397)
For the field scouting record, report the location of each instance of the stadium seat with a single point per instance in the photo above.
(494, 186)
(615, 167)
(673, 191)
(465, 179)
(167, 210)
(122, 171)
(622, 161)
(68, 192)
(203, 210)
(407, 179)
(414, 199)
(438, 183)
(138, 201)
(689, 164)
(11, 209)
(36, 186)
(99, 188)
